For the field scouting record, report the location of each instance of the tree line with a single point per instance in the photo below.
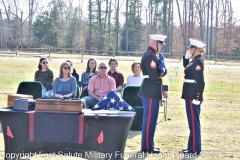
(96, 24)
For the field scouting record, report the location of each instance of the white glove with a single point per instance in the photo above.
(196, 102)
(187, 55)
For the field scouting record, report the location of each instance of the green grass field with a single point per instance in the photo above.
(220, 112)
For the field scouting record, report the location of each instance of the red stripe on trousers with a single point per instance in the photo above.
(31, 126)
(81, 128)
(193, 127)
(148, 122)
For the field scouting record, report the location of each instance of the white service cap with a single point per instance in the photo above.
(196, 44)
(158, 37)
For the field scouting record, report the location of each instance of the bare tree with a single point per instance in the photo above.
(180, 20)
(126, 25)
(32, 7)
(19, 22)
(6, 11)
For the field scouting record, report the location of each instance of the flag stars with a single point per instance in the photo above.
(105, 97)
(112, 100)
(129, 108)
(96, 106)
(121, 100)
(121, 108)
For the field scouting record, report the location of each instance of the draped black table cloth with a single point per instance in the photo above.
(104, 132)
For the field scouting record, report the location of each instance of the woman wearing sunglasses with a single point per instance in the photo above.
(65, 86)
(45, 76)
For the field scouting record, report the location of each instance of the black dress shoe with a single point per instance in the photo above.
(154, 150)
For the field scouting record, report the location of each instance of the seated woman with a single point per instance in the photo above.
(65, 86)
(45, 76)
(135, 79)
(90, 72)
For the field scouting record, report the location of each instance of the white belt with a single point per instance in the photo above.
(145, 76)
(189, 81)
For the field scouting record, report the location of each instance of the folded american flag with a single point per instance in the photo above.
(162, 64)
(113, 102)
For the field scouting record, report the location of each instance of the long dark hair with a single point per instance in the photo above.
(40, 61)
(88, 68)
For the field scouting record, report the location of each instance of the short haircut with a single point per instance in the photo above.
(112, 60)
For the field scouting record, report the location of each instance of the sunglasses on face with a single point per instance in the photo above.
(44, 62)
(103, 67)
(67, 68)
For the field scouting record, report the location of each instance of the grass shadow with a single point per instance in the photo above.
(132, 134)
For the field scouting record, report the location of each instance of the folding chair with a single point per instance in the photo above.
(165, 102)
(78, 92)
(130, 96)
(33, 88)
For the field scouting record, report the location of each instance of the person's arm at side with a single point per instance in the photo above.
(35, 76)
(112, 85)
(127, 83)
(91, 89)
(199, 78)
(121, 82)
(55, 84)
(50, 80)
(84, 80)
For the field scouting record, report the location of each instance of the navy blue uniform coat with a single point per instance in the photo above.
(152, 86)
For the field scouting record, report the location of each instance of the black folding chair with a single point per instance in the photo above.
(33, 88)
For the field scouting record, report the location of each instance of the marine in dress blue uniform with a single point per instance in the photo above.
(151, 92)
(192, 92)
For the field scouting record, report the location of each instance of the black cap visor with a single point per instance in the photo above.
(191, 46)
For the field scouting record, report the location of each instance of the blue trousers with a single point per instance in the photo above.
(193, 115)
(150, 116)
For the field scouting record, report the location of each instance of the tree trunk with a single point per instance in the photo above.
(165, 22)
(185, 24)
(134, 27)
(127, 26)
(109, 24)
(100, 25)
(207, 34)
(31, 13)
(90, 27)
(180, 20)
(211, 32)
(117, 25)
(6, 11)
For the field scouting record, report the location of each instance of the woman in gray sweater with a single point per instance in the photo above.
(65, 85)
